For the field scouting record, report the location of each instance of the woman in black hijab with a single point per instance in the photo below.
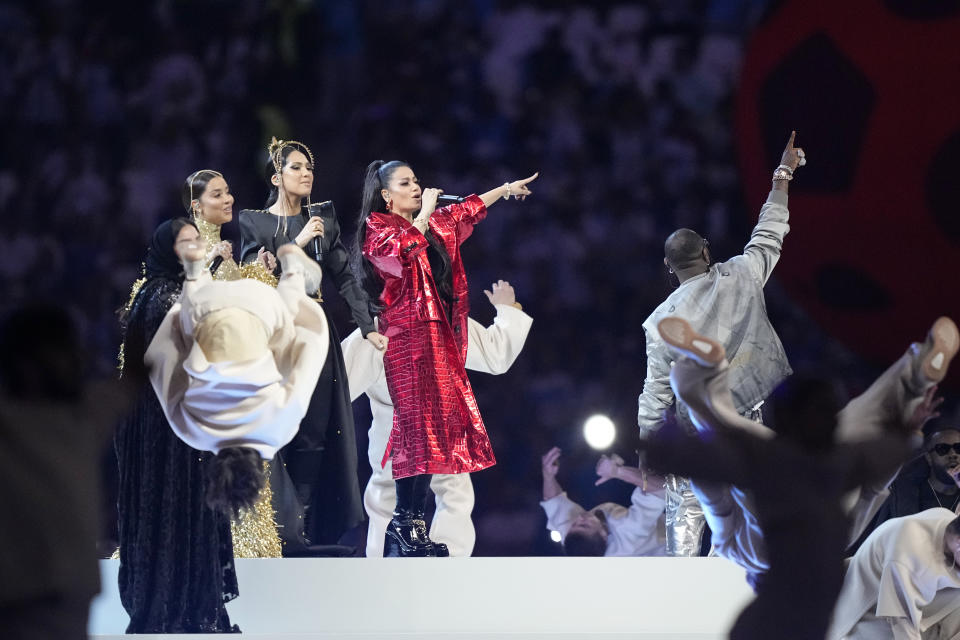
(176, 554)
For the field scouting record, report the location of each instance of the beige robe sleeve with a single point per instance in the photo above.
(494, 349)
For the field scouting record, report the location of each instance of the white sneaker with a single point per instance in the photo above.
(941, 346)
(701, 380)
(678, 333)
(294, 260)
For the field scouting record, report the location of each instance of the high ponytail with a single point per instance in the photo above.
(376, 178)
(373, 182)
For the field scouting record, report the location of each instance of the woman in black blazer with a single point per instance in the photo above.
(322, 459)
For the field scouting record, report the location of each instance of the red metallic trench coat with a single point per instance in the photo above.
(437, 427)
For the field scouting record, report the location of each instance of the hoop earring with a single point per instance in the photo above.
(390, 205)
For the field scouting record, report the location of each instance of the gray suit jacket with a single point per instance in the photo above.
(726, 304)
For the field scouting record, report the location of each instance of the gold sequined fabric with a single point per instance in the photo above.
(256, 271)
(134, 290)
(255, 531)
(229, 270)
(210, 232)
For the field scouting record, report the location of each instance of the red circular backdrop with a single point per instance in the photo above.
(873, 90)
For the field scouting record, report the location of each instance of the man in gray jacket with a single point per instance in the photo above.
(725, 302)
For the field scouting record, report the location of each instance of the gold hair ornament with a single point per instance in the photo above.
(275, 149)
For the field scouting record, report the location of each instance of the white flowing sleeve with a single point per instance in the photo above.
(363, 363)
(645, 530)
(646, 508)
(493, 349)
(561, 512)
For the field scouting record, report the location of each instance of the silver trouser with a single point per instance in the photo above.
(684, 515)
(684, 518)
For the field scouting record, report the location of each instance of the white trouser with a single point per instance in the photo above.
(451, 523)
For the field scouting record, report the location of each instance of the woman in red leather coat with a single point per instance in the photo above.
(411, 263)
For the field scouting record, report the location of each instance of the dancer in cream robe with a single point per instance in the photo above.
(491, 350)
(904, 582)
(234, 363)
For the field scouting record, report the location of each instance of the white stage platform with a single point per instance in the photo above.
(469, 599)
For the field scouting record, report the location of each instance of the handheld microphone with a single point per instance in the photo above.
(217, 261)
(443, 200)
(319, 209)
(317, 249)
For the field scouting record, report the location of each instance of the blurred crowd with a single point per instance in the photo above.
(624, 108)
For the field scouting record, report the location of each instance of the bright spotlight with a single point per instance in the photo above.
(555, 536)
(599, 432)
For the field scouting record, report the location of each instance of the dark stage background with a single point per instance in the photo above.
(641, 117)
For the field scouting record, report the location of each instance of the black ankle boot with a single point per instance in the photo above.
(406, 537)
(407, 532)
(439, 549)
(421, 492)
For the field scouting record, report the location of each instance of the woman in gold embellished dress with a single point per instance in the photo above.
(322, 459)
(206, 196)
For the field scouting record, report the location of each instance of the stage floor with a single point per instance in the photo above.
(469, 599)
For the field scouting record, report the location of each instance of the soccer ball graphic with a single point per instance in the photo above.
(873, 90)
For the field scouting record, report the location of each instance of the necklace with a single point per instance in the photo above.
(937, 497)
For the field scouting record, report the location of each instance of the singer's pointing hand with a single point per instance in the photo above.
(518, 188)
(311, 230)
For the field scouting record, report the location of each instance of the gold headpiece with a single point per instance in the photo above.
(276, 147)
(194, 176)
